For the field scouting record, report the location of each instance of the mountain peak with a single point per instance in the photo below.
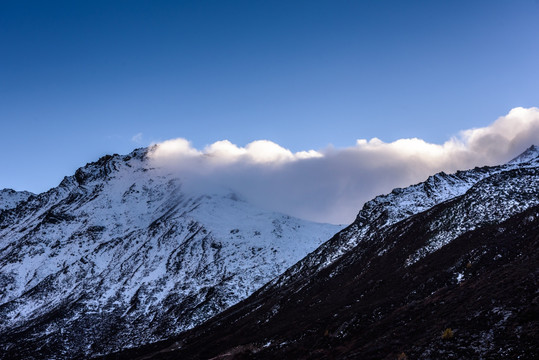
(529, 154)
(181, 257)
(10, 198)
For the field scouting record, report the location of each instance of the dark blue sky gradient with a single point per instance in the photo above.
(78, 79)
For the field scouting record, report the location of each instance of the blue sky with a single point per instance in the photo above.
(81, 79)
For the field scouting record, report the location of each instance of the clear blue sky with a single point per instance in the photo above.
(79, 79)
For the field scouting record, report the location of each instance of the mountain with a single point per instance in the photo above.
(530, 154)
(386, 210)
(10, 198)
(119, 255)
(447, 268)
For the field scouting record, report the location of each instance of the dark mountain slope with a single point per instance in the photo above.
(469, 264)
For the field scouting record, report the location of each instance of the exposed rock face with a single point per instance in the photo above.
(119, 255)
(444, 269)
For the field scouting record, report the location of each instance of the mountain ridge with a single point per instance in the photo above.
(400, 203)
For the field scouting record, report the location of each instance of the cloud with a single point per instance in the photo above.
(224, 152)
(332, 184)
(137, 138)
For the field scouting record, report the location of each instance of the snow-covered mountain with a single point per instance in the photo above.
(530, 154)
(10, 198)
(120, 255)
(386, 210)
(447, 268)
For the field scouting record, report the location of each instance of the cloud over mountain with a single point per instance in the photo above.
(332, 184)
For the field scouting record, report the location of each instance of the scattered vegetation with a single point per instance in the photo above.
(447, 334)
(402, 356)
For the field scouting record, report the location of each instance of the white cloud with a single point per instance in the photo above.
(224, 152)
(172, 150)
(137, 138)
(332, 184)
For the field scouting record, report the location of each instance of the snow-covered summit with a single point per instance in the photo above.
(122, 253)
(10, 198)
(531, 153)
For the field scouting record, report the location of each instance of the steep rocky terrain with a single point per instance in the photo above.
(444, 269)
(119, 255)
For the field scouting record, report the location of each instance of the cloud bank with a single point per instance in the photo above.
(331, 185)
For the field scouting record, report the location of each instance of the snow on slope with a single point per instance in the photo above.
(386, 210)
(120, 253)
(10, 198)
(491, 200)
(530, 154)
